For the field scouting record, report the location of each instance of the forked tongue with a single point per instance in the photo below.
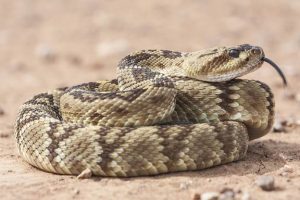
(277, 68)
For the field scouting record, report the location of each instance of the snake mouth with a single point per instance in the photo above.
(277, 68)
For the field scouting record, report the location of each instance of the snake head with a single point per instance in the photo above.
(226, 63)
(244, 58)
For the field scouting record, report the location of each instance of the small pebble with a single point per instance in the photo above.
(289, 95)
(2, 112)
(17, 66)
(285, 170)
(226, 189)
(278, 127)
(184, 186)
(286, 157)
(246, 196)
(290, 122)
(266, 183)
(4, 134)
(227, 194)
(87, 173)
(96, 65)
(73, 59)
(45, 53)
(76, 191)
(238, 191)
(210, 196)
(196, 196)
(283, 174)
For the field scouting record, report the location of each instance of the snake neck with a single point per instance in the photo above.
(212, 65)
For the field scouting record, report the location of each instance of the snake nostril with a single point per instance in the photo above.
(257, 51)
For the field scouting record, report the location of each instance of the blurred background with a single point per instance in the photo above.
(48, 44)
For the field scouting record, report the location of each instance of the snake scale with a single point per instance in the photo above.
(166, 112)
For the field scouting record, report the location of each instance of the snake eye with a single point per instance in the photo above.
(234, 53)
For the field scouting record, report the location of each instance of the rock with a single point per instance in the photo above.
(227, 194)
(210, 196)
(87, 173)
(266, 183)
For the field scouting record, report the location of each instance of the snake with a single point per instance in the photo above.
(166, 111)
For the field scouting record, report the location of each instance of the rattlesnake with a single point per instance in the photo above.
(166, 112)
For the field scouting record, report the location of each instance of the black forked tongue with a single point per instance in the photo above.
(277, 68)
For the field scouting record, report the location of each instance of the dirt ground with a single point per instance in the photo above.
(49, 44)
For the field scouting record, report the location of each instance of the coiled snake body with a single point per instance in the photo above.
(166, 112)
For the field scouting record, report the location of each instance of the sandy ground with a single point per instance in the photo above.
(49, 44)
